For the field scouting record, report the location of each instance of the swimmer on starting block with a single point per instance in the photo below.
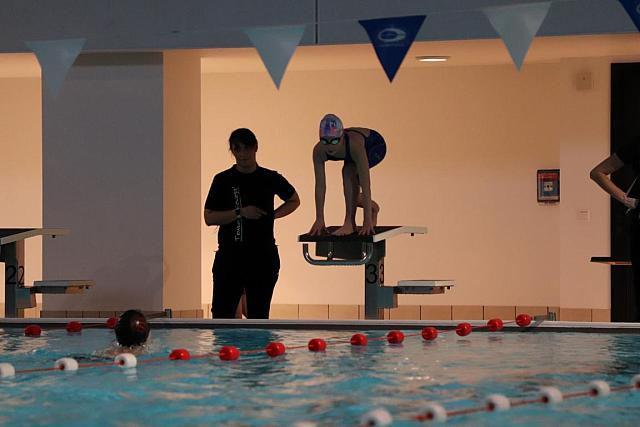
(360, 149)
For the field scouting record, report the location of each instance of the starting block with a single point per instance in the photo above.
(17, 295)
(370, 251)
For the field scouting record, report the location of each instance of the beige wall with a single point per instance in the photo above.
(464, 146)
(584, 141)
(181, 163)
(462, 159)
(21, 166)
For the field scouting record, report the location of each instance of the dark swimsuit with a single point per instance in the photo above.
(374, 145)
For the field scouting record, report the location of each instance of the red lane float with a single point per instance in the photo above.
(275, 349)
(229, 352)
(495, 325)
(523, 320)
(317, 344)
(32, 331)
(429, 333)
(74, 327)
(359, 339)
(179, 354)
(111, 322)
(463, 329)
(395, 337)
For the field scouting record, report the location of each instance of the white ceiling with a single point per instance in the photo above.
(145, 25)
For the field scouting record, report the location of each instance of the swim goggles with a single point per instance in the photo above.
(329, 141)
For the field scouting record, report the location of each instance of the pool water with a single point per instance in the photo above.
(333, 388)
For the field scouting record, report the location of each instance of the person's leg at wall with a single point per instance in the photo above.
(259, 298)
(227, 287)
(241, 310)
(226, 298)
(260, 286)
(635, 262)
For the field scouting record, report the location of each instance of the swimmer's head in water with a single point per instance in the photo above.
(132, 328)
(331, 129)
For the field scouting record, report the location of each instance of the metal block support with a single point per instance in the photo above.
(16, 296)
(377, 297)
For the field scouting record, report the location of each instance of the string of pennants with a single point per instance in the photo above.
(391, 38)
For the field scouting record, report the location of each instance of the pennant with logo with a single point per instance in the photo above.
(391, 38)
(633, 9)
(517, 25)
(55, 58)
(276, 46)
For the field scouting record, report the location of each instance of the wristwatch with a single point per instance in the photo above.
(238, 216)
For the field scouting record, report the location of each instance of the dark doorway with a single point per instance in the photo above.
(625, 126)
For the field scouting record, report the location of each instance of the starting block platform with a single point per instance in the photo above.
(610, 260)
(62, 286)
(17, 295)
(354, 249)
(423, 286)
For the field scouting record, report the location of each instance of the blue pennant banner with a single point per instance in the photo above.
(633, 9)
(391, 38)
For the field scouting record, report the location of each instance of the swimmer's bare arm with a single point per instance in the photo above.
(600, 174)
(319, 157)
(289, 205)
(359, 156)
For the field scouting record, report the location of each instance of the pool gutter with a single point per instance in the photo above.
(543, 326)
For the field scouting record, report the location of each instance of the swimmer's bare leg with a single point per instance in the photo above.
(351, 190)
(375, 208)
(242, 307)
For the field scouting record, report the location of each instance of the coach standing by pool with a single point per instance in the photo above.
(241, 202)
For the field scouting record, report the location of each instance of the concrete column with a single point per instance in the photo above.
(182, 205)
(103, 179)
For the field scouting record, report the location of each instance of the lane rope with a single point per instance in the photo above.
(431, 411)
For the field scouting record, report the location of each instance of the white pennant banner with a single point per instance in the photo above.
(276, 46)
(518, 25)
(55, 58)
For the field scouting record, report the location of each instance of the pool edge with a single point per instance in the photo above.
(478, 325)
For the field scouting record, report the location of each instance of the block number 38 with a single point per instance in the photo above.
(374, 273)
